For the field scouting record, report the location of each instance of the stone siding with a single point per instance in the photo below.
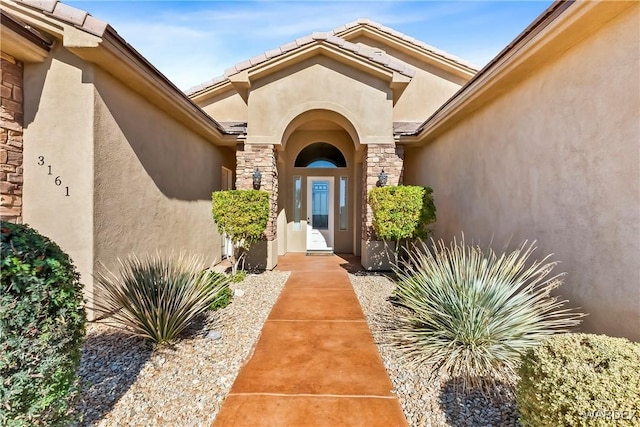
(11, 124)
(377, 157)
(264, 157)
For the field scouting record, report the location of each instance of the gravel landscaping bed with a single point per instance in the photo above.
(424, 402)
(125, 382)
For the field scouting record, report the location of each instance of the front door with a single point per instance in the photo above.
(319, 213)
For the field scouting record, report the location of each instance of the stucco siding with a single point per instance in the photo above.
(278, 98)
(227, 106)
(153, 179)
(58, 133)
(429, 88)
(556, 159)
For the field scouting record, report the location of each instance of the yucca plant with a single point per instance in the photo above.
(157, 297)
(471, 313)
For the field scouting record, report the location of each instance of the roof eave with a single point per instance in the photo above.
(559, 23)
(153, 85)
(241, 81)
(100, 44)
(441, 61)
(21, 42)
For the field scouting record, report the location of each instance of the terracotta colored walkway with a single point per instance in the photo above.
(315, 363)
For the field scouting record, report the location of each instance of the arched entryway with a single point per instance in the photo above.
(319, 176)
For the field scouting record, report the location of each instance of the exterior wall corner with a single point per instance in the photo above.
(11, 141)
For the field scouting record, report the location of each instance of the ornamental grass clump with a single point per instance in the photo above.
(471, 313)
(580, 380)
(157, 297)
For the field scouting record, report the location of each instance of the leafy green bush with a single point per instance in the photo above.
(242, 215)
(402, 212)
(42, 324)
(224, 299)
(157, 298)
(472, 313)
(580, 380)
(239, 276)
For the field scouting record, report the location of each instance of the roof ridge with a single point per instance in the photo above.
(79, 18)
(407, 38)
(329, 37)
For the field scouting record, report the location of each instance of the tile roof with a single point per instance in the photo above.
(234, 128)
(405, 128)
(333, 37)
(412, 40)
(71, 15)
(85, 22)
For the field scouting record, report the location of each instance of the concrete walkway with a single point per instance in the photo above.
(315, 363)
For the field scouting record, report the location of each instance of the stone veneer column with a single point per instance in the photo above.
(11, 123)
(264, 157)
(377, 157)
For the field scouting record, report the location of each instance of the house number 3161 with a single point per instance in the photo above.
(57, 180)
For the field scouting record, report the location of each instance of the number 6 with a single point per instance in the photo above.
(57, 180)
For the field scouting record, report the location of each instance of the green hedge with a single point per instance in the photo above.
(241, 214)
(580, 380)
(402, 212)
(42, 324)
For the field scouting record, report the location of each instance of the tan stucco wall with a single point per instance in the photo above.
(429, 88)
(153, 179)
(556, 159)
(296, 239)
(59, 126)
(139, 181)
(227, 106)
(277, 99)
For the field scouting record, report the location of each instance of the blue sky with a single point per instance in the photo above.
(195, 41)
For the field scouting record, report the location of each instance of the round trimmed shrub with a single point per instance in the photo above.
(580, 380)
(42, 324)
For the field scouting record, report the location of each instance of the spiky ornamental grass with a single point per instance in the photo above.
(157, 297)
(471, 313)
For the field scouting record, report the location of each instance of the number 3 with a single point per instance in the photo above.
(40, 160)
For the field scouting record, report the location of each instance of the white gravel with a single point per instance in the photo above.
(125, 383)
(424, 402)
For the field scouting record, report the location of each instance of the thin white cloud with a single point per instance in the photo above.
(197, 42)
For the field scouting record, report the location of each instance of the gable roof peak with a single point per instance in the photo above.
(328, 38)
(343, 30)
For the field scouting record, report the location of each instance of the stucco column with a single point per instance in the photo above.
(377, 157)
(265, 158)
(11, 167)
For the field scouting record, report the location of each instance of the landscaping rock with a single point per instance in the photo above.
(214, 335)
(127, 382)
(425, 402)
